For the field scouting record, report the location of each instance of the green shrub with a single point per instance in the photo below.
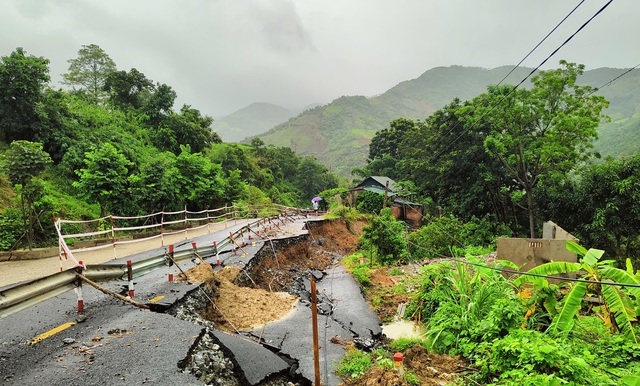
(411, 378)
(395, 271)
(370, 202)
(11, 228)
(362, 274)
(525, 356)
(401, 344)
(354, 364)
(387, 235)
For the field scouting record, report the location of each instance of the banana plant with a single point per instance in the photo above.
(620, 303)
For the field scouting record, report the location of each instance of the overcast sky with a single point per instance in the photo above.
(222, 55)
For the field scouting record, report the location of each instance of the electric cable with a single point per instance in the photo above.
(541, 41)
(614, 79)
(526, 77)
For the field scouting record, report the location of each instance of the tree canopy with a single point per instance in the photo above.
(22, 83)
(543, 131)
(89, 71)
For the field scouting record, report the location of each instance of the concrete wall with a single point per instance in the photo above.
(551, 230)
(36, 253)
(529, 253)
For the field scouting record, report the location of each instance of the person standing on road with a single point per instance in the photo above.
(315, 207)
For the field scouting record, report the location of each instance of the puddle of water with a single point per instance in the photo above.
(403, 329)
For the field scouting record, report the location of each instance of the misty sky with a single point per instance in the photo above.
(222, 55)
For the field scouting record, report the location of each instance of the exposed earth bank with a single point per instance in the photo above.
(267, 291)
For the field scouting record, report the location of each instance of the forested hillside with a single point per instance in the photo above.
(115, 144)
(338, 134)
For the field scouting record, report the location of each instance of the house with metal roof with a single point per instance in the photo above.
(402, 209)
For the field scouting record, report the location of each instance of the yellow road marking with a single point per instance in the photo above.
(156, 299)
(51, 332)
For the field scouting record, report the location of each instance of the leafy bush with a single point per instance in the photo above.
(386, 234)
(370, 202)
(354, 364)
(435, 239)
(471, 306)
(525, 356)
(411, 378)
(11, 228)
(362, 274)
(447, 236)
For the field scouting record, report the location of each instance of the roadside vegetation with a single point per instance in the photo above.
(497, 165)
(495, 328)
(114, 144)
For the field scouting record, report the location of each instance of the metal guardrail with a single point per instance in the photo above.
(25, 295)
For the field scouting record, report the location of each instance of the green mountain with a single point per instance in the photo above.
(338, 134)
(621, 136)
(250, 121)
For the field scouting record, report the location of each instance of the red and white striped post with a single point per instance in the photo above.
(79, 289)
(171, 261)
(235, 249)
(130, 278)
(215, 246)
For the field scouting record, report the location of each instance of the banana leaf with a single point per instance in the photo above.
(624, 315)
(572, 302)
(551, 268)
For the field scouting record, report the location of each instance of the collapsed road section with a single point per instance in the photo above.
(245, 321)
(257, 317)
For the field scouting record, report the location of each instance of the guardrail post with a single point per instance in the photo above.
(79, 289)
(215, 247)
(171, 252)
(235, 248)
(130, 278)
(242, 236)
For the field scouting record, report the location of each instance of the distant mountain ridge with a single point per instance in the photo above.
(253, 120)
(338, 134)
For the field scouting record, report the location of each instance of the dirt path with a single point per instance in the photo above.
(21, 270)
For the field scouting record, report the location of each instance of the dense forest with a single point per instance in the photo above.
(515, 158)
(113, 143)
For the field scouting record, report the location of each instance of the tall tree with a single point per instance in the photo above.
(105, 178)
(384, 149)
(89, 71)
(453, 168)
(128, 89)
(609, 202)
(24, 162)
(22, 82)
(542, 131)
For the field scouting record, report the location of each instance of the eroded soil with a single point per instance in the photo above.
(275, 284)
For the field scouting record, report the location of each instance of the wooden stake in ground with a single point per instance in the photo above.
(314, 321)
(244, 253)
(186, 278)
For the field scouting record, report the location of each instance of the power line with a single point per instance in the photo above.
(614, 79)
(541, 41)
(526, 77)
